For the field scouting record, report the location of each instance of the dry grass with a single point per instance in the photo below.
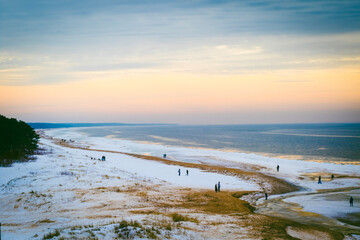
(218, 203)
(183, 218)
(11, 224)
(45, 221)
(147, 212)
(241, 212)
(100, 216)
(351, 218)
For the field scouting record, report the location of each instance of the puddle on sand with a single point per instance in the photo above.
(278, 207)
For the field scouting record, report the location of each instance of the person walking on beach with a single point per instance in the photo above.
(266, 196)
(187, 172)
(219, 186)
(216, 187)
(277, 167)
(179, 171)
(351, 201)
(319, 181)
(332, 176)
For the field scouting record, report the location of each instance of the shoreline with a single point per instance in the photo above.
(102, 194)
(279, 186)
(156, 139)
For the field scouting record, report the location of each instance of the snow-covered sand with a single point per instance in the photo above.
(54, 181)
(301, 173)
(65, 177)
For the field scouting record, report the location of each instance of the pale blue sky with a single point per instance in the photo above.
(108, 35)
(45, 43)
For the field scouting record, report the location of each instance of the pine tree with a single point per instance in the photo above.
(18, 141)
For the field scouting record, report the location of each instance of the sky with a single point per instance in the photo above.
(187, 62)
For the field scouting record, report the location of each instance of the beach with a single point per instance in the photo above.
(69, 192)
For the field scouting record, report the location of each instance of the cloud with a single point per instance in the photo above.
(43, 23)
(351, 59)
(113, 66)
(237, 50)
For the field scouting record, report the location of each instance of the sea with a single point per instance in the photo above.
(338, 143)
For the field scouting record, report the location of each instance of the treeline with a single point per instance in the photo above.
(18, 141)
(39, 125)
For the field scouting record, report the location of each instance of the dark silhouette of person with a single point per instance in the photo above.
(351, 201)
(216, 187)
(187, 172)
(277, 167)
(319, 181)
(219, 186)
(164, 155)
(266, 196)
(332, 176)
(179, 171)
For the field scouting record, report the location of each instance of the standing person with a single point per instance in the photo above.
(187, 172)
(319, 181)
(179, 171)
(216, 187)
(219, 186)
(277, 167)
(351, 201)
(332, 176)
(266, 196)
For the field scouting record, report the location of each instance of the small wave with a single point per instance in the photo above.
(310, 135)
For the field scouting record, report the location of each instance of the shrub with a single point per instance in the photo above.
(52, 235)
(179, 218)
(132, 229)
(66, 173)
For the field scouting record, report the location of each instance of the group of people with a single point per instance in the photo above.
(64, 140)
(102, 158)
(217, 187)
(319, 182)
(187, 172)
(319, 178)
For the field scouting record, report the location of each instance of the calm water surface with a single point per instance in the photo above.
(317, 142)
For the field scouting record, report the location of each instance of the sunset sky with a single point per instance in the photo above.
(191, 62)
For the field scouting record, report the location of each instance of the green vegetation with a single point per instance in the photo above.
(52, 235)
(18, 141)
(179, 218)
(133, 229)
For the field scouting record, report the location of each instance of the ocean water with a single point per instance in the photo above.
(338, 143)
